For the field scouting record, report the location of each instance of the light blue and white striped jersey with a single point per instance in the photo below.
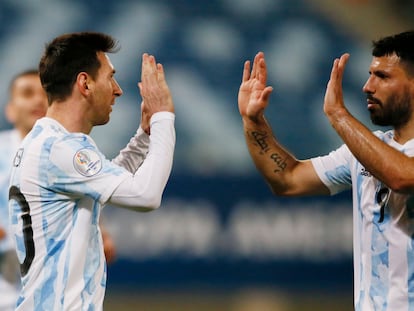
(383, 230)
(9, 142)
(59, 183)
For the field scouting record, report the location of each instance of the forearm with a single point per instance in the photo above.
(132, 156)
(273, 161)
(384, 162)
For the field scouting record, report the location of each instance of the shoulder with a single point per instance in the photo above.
(54, 133)
(76, 141)
(76, 146)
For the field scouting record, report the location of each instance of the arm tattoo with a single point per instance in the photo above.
(280, 162)
(260, 140)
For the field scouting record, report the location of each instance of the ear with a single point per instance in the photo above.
(10, 112)
(83, 82)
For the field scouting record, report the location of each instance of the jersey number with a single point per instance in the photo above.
(15, 194)
(383, 195)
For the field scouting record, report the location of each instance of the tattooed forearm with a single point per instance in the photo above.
(260, 139)
(280, 162)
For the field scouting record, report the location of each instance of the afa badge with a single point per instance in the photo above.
(87, 162)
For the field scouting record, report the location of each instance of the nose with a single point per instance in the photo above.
(117, 89)
(368, 87)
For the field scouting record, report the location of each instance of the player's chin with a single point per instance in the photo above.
(102, 121)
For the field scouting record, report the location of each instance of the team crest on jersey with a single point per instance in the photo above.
(87, 162)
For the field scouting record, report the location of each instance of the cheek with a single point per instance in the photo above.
(22, 113)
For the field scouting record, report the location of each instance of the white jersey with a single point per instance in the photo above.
(9, 142)
(59, 184)
(383, 230)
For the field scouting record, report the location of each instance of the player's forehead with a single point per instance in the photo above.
(386, 63)
(106, 64)
(28, 81)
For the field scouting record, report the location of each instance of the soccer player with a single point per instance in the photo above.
(27, 103)
(60, 180)
(377, 165)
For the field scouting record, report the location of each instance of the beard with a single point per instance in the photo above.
(395, 111)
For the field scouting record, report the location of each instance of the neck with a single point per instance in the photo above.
(22, 133)
(404, 133)
(69, 114)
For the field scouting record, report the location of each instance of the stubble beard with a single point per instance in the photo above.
(395, 112)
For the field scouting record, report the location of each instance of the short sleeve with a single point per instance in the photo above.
(334, 169)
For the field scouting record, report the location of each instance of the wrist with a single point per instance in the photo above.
(337, 115)
(254, 123)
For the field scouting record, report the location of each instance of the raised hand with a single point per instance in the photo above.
(154, 90)
(334, 100)
(253, 93)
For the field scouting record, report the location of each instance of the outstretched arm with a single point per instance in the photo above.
(285, 174)
(143, 190)
(384, 162)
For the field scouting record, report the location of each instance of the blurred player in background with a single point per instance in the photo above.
(61, 181)
(378, 166)
(27, 103)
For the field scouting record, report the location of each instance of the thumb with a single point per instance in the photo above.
(266, 93)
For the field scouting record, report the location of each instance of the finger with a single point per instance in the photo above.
(246, 71)
(338, 69)
(144, 64)
(343, 60)
(161, 77)
(255, 64)
(160, 73)
(341, 65)
(266, 94)
(153, 63)
(334, 70)
(149, 69)
(262, 71)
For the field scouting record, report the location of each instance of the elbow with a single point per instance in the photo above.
(277, 190)
(400, 185)
(149, 203)
(399, 181)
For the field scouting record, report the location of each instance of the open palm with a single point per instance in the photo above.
(253, 93)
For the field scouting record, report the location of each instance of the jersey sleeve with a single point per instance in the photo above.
(334, 169)
(132, 156)
(143, 191)
(77, 167)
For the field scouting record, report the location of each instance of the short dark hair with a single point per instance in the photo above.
(401, 44)
(27, 72)
(68, 55)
